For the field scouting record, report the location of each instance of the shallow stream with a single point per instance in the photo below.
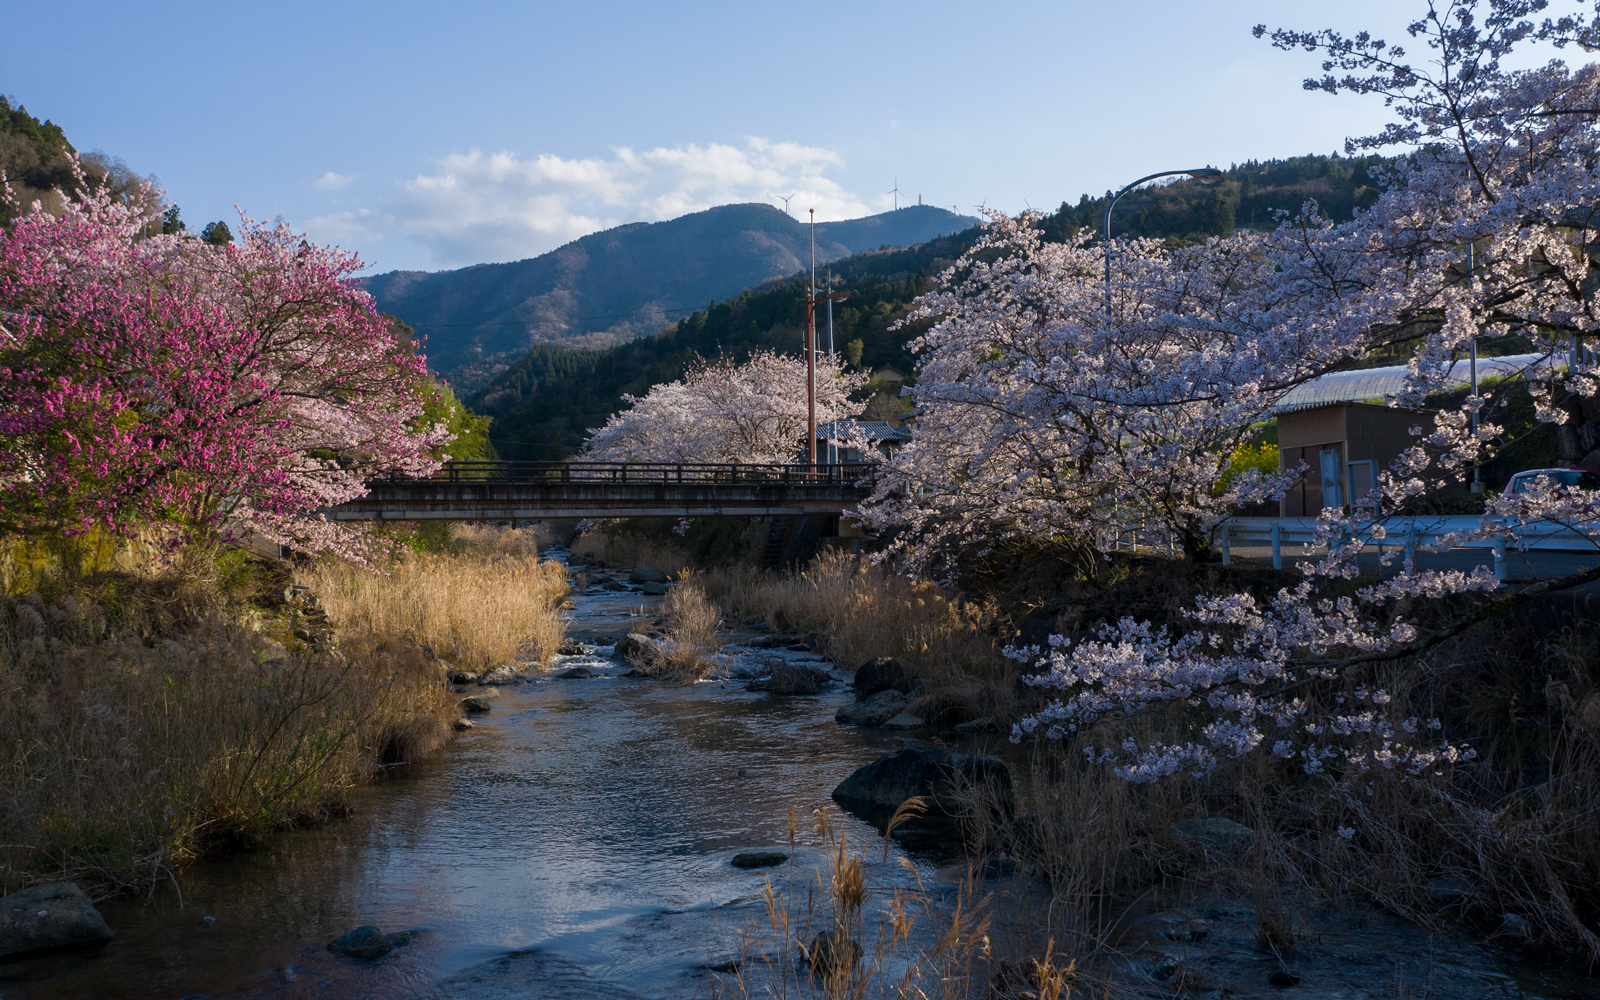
(577, 843)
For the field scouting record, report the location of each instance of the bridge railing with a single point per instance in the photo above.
(644, 472)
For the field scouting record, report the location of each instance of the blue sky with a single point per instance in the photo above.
(431, 135)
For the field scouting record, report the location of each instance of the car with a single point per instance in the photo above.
(1584, 479)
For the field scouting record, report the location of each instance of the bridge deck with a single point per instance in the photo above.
(528, 490)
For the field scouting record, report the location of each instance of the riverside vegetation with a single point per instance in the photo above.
(159, 704)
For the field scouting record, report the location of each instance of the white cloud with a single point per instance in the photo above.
(331, 181)
(478, 208)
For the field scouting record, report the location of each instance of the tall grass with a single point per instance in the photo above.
(691, 623)
(489, 602)
(627, 548)
(123, 759)
(864, 611)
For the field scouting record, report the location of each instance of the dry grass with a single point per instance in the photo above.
(691, 623)
(486, 604)
(865, 611)
(626, 548)
(123, 759)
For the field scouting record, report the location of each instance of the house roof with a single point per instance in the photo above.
(872, 430)
(1381, 384)
(891, 373)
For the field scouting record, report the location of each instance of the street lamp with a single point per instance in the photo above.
(1203, 173)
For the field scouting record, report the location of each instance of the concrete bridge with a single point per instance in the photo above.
(494, 491)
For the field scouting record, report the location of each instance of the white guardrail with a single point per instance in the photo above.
(1403, 533)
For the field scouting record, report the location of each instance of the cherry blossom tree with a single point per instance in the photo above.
(162, 379)
(724, 411)
(1045, 416)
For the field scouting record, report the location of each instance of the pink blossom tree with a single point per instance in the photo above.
(161, 379)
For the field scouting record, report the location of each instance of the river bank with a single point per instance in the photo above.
(579, 840)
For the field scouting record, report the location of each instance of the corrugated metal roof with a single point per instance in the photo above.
(1379, 385)
(872, 430)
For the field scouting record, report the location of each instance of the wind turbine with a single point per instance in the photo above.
(896, 192)
(786, 202)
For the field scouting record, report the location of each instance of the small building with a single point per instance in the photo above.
(891, 375)
(880, 435)
(1340, 427)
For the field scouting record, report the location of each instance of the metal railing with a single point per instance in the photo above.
(643, 472)
(1407, 535)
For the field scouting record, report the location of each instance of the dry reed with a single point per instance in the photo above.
(124, 759)
(691, 622)
(628, 548)
(488, 603)
(863, 611)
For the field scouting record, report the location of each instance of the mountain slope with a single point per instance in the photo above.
(611, 287)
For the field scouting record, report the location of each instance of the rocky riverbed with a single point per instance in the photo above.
(595, 833)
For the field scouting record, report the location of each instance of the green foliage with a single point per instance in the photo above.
(852, 352)
(217, 234)
(170, 222)
(471, 431)
(1246, 197)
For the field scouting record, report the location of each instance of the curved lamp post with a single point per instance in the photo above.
(1202, 173)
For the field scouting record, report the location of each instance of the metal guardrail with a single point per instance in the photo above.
(642, 472)
(1407, 534)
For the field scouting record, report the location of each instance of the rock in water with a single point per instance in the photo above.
(905, 721)
(652, 588)
(58, 915)
(576, 674)
(637, 647)
(759, 859)
(882, 674)
(613, 585)
(875, 711)
(369, 942)
(833, 952)
(647, 574)
(475, 705)
(980, 725)
(889, 781)
(571, 647)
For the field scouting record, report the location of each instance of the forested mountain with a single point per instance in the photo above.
(1244, 198)
(544, 404)
(612, 287)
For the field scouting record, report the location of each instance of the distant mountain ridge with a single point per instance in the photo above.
(612, 287)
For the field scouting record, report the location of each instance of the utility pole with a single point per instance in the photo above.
(811, 343)
(833, 454)
(811, 354)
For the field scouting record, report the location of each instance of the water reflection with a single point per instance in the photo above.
(591, 819)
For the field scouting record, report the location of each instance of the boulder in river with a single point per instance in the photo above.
(905, 721)
(646, 574)
(875, 711)
(652, 588)
(786, 678)
(833, 952)
(577, 674)
(985, 724)
(368, 942)
(571, 647)
(476, 705)
(884, 784)
(613, 585)
(636, 647)
(759, 859)
(57, 915)
(884, 673)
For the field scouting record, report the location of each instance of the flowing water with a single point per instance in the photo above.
(590, 820)
(576, 844)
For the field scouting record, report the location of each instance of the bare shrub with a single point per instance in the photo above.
(485, 605)
(485, 539)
